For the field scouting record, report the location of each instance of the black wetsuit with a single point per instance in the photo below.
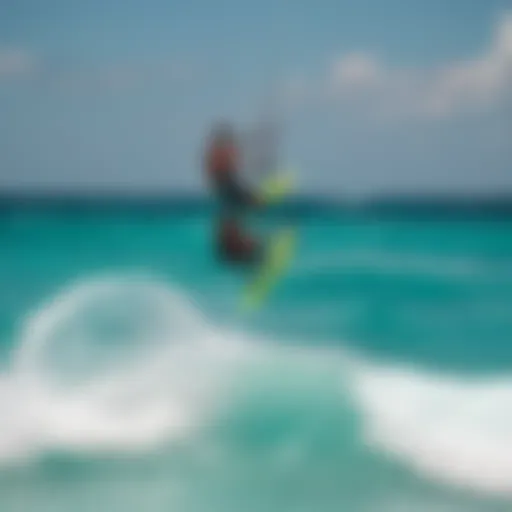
(233, 196)
(233, 244)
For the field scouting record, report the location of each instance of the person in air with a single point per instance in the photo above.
(223, 162)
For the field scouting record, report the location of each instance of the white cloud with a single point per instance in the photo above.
(15, 62)
(128, 76)
(478, 83)
(356, 70)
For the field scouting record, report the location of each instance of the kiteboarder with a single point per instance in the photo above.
(223, 167)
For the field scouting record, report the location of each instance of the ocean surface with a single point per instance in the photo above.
(377, 376)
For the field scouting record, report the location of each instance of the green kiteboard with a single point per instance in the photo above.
(279, 254)
(280, 249)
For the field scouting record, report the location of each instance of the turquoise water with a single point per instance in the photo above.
(378, 376)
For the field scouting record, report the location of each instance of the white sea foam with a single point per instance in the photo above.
(451, 429)
(170, 369)
(68, 389)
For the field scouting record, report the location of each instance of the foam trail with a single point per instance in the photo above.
(171, 371)
(160, 378)
(459, 431)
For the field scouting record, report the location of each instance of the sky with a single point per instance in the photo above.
(372, 96)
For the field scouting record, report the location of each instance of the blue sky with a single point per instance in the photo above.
(374, 96)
